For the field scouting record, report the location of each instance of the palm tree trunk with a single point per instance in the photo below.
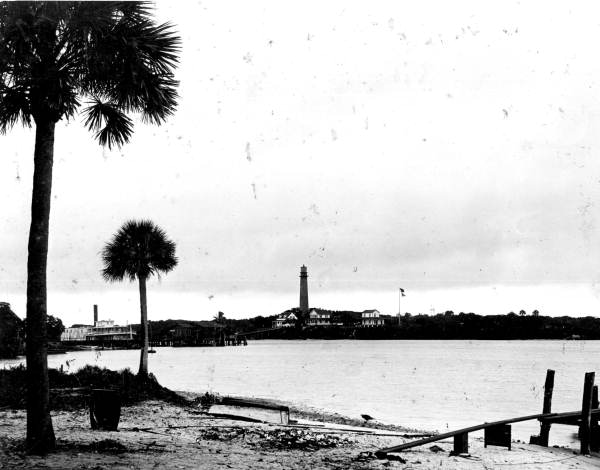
(143, 372)
(40, 434)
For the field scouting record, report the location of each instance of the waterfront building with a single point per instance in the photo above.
(102, 331)
(372, 318)
(319, 317)
(107, 331)
(286, 319)
(75, 333)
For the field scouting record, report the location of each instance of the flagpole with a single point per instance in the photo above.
(399, 297)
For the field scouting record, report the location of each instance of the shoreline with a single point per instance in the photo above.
(313, 414)
(157, 434)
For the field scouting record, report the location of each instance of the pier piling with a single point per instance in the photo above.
(594, 427)
(547, 408)
(586, 412)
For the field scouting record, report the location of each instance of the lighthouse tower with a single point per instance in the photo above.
(303, 290)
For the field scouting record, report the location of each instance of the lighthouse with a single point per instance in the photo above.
(303, 290)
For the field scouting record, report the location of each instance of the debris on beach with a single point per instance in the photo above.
(213, 433)
(436, 448)
(280, 439)
(365, 456)
(301, 439)
(207, 400)
(109, 446)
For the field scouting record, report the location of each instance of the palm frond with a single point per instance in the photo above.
(14, 107)
(55, 52)
(139, 249)
(111, 125)
(139, 58)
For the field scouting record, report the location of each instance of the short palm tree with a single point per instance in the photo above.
(54, 56)
(139, 250)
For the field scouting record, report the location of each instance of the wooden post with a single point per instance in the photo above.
(586, 415)
(547, 408)
(461, 444)
(595, 428)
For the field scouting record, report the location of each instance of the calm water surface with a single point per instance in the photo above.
(429, 385)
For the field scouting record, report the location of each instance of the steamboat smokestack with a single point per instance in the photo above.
(95, 314)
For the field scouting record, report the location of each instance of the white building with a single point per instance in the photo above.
(103, 330)
(318, 317)
(75, 333)
(285, 320)
(371, 318)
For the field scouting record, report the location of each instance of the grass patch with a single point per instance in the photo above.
(71, 390)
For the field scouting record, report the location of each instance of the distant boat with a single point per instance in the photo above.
(150, 351)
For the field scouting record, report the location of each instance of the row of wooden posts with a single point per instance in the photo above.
(499, 432)
(587, 421)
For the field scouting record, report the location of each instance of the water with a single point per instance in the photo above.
(428, 385)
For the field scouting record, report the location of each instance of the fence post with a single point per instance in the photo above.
(586, 415)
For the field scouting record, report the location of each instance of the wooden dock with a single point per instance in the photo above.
(563, 418)
(499, 432)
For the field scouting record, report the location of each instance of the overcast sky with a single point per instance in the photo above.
(449, 148)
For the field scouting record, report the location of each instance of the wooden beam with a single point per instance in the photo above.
(556, 417)
(567, 420)
(438, 437)
(247, 403)
(547, 408)
(586, 413)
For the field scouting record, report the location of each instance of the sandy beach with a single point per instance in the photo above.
(156, 434)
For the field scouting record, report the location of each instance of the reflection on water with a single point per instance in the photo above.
(430, 385)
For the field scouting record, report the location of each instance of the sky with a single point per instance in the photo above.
(448, 148)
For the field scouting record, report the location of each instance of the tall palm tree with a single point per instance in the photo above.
(53, 57)
(137, 251)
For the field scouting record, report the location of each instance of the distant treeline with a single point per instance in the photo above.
(441, 326)
(473, 326)
(456, 326)
(163, 329)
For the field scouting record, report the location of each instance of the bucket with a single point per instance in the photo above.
(105, 409)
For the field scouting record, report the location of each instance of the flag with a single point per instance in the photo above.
(402, 292)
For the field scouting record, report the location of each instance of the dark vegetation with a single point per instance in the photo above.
(54, 327)
(190, 330)
(446, 325)
(12, 332)
(70, 390)
(471, 326)
(162, 328)
(454, 326)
